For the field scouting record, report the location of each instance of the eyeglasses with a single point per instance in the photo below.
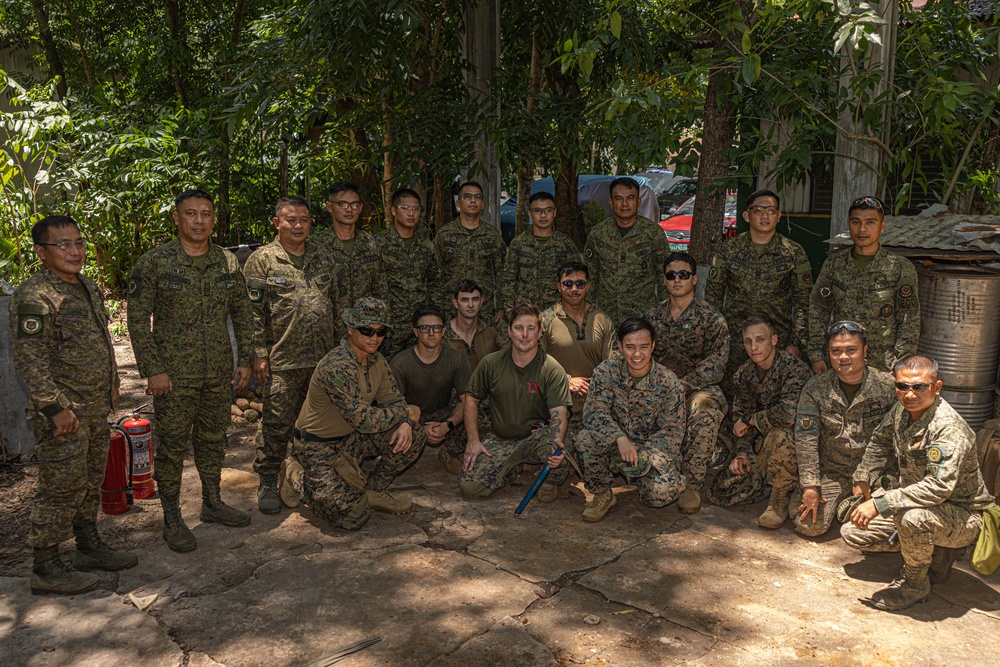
(869, 202)
(429, 328)
(570, 284)
(540, 211)
(368, 332)
(345, 205)
(469, 196)
(406, 209)
(845, 325)
(64, 246)
(764, 210)
(674, 275)
(917, 387)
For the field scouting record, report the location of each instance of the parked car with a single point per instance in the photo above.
(678, 226)
(675, 195)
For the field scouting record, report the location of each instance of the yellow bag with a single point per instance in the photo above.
(986, 554)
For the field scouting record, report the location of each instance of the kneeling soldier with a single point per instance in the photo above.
(633, 423)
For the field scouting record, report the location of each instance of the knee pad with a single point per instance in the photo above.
(471, 489)
(358, 516)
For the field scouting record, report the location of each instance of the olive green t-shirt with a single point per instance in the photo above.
(862, 261)
(850, 390)
(298, 261)
(520, 398)
(429, 386)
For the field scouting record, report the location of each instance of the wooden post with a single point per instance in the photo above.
(481, 48)
(14, 427)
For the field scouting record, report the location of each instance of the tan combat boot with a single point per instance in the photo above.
(383, 501)
(602, 504)
(452, 463)
(93, 554)
(49, 574)
(690, 501)
(777, 510)
(912, 586)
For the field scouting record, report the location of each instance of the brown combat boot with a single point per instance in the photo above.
(690, 501)
(93, 554)
(213, 510)
(178, 536)
(49, 574)
(777, 510)
(941, 563)
(912, 586)
(383, 501)
(602, 504)
(452, 463)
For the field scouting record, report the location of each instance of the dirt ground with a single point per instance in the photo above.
(461, 582)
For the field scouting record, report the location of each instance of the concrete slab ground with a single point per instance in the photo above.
(461, 582)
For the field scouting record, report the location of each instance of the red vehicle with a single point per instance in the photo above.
(678, 226)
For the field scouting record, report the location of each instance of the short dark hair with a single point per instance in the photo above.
(757, 194)
(290, 201)
(342, 186)
(468, 286)
(630, 183)
(681, 257)
(40, 230)
(756, 321)
(474, 184)
(573, 267)
(192, 194)
(847, 328)
(867, 202)
(525, 308)
(633, 324)
(404, 192)
(918, 363)
(541, 195)
(428, 309)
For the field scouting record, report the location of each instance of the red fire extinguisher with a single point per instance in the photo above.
(140, 432)
(116, 491)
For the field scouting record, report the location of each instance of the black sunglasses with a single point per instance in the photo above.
(917, 387)
(368, 332)
(869, 202)
(673, 275)
(570, 284)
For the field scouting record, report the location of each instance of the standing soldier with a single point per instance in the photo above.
(292, 288)
(625, 254)
(692, 341)
(411, 270)
(66, 361)
(762, 273)
(190, 287)
(471, 249)
(869, 285)
(355, 256)
(535, 256)
(633, 424)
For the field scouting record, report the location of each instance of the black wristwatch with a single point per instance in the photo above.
(451, 426)
(747, 419)
(410, 422)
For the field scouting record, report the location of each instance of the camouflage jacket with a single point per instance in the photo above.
(189, 338)
(530, 271)
(292, 307)
(774, 284)
(471, 254)
(412, 277)
(937, 460)
(626, 272)
(695, 346)
(830, 436)
(773, 399)
(61, 346)
(882, 298)
(649, 411)
(358, 272)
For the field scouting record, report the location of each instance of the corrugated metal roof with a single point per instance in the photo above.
(939, 232)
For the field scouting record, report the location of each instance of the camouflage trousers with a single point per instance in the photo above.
(920, 529)
(773, 464)
(659, 486)
(455, 441)
(705, 412)
(507, 458)
(832, 490)
(325, 491)
(285, 394)
(70, 472)
(196, 412)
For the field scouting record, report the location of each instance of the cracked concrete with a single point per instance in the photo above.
(462, 582)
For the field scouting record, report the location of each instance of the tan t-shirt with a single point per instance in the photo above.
(578, 349)
(487, 340)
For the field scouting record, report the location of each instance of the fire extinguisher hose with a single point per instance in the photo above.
(128, 445)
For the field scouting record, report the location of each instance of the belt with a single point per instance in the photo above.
(306, 436)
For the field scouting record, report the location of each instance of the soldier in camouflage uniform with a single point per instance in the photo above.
(292, 288)
(353, 411)
(190, 287)
(625, 255)
(762, 273)
(535, 257)
(472, 332)
(767, 394)
(938, 508)
(470, 248)
(530, 397)
(355, 256)
(66, 361)
(838, 411)
(633, 425)
(692, 340)
(870, 285)
(411, 270)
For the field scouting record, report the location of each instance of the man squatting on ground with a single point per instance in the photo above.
(65, 359)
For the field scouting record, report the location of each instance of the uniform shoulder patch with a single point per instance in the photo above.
(589, 252)
(30, 321)
(936, 453)
(825, 292)
(905, 291)
(806, 423)
(255, 290)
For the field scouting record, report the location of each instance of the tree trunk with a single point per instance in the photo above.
(444, 202)
(175, 48)
(56, 70)
(71, 15)
(567, 181)
(222, 196)
(526, 168)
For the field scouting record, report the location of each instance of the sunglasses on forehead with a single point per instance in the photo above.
(844, 325)
(368, 332)
(869, 202)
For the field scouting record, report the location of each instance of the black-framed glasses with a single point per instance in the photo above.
(345, 205)
(430, 328)
(674, 275)
(368, 332)
(570, 284)
(79, 244)
(917, 387)
(869, 202)
(845, 325)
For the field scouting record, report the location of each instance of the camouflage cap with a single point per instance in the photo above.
(367, 311)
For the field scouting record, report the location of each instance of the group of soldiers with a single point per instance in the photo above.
(369, 349)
